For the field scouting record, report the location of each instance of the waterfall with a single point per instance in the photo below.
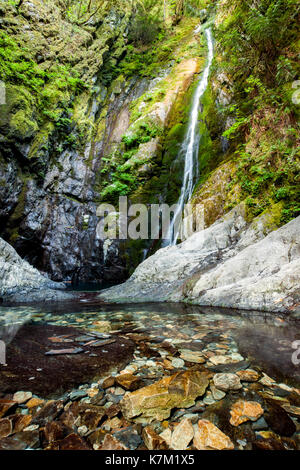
(190, 146)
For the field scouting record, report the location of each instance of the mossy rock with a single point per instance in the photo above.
(17, 117)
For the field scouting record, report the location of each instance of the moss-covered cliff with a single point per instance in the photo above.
(97, 102)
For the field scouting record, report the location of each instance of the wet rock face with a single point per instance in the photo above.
(230, 264)
(19, 280)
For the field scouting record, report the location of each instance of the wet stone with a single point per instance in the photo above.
(278, 420)
(152, 440)
(48, 413)
(227, 382)
(21, 441)
(209, 437)
(6, 405)
(128, 381)
(243, 411)
(5, 427)
(73, 442)
(22, 397)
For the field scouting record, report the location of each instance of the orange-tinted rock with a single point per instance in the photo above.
(292, 410)
(108, 382)
(209, 437)
(182, 435)
(152, 440)
(34, 402)
(20, 422)
(157, 400)
(6, 405)
(128, 381)
(248, 375)
(5, 427)
(243, 411)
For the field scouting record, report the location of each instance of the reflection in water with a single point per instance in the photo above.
(265, 338)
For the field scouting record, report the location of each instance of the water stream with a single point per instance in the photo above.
(190, 146)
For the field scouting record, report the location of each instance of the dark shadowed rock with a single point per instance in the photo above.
(278, 420)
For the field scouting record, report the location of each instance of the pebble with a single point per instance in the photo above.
(178, 363)
(22, 397)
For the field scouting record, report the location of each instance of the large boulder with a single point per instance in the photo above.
(230, 264)
(19, 281)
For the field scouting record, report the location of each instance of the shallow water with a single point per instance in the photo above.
(264, 339)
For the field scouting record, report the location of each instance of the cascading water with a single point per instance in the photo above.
(190, 146)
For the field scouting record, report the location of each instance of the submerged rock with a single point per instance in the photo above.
(209, 437)
(157, 400)
(243, 411)
(226, 382)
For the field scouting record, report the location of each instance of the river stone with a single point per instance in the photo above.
(111, 443)
(128, 381)
(248, 375)
(5, 427)
(278, 420)
(152, 440)
(157, 400)
(209, 437)
(243, 411)
(5, 405)
(22, 397)
(21, 441)
(217, 394)
(192, 356)
(227, 382)
(57, 374)
(177, 363)
(182, 435)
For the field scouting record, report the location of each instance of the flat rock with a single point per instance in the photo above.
(227, 382)
(22, 397)
(182, 435)
(248, 375)
(111, 443)
(278, 420)
(192, 356)
(128, 381)
(157, 400)
(152, 440)
(209, 437)
(5, 427)
(73, 442)
(21, 441)
(243, 411)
